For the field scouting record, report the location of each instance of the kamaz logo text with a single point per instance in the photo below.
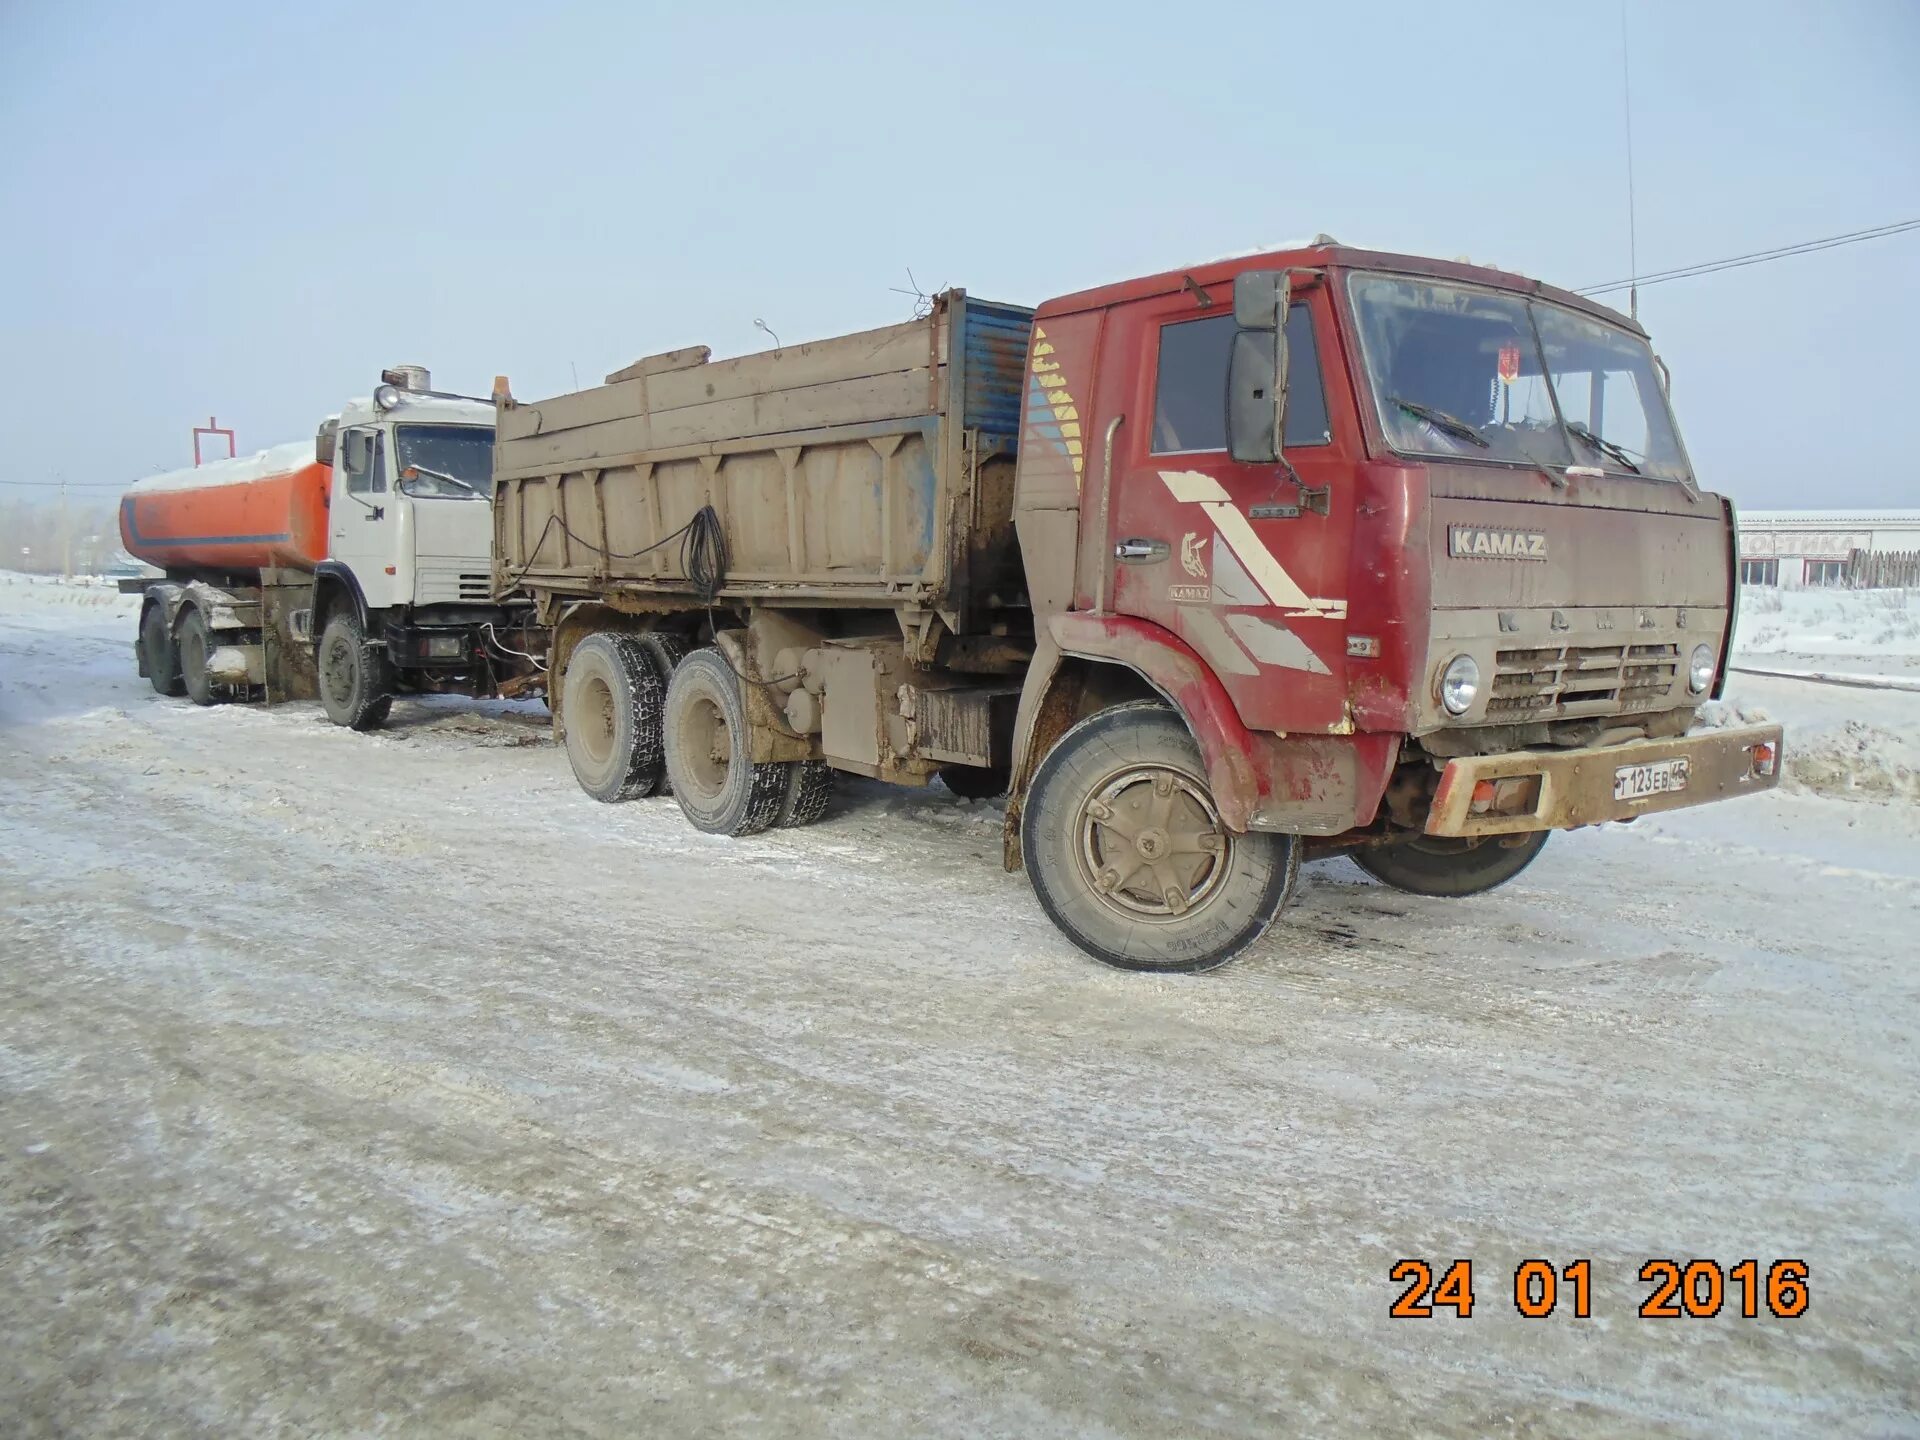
(1474, 542)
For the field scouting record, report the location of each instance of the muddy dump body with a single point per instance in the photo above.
(870, 470)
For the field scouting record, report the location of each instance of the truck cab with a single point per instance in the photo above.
(404, 598)
(1414, 547)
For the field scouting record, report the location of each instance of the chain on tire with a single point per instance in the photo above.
(613, 700)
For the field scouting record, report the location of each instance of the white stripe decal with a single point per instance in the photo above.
(1231, 583)
(1275, 644)
(1203, 631)
(1193, 487)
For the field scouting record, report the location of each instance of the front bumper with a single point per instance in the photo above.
(1577, 787)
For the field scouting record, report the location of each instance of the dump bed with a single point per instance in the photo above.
(871, 469)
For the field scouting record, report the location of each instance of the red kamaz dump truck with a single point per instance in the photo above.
(1315, 550)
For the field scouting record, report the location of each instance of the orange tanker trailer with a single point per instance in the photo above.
(255, 513)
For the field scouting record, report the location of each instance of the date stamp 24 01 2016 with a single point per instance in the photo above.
(1689, 1289)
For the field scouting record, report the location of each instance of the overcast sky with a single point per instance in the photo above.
(247, 209)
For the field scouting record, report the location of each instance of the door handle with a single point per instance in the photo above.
(1140, 551)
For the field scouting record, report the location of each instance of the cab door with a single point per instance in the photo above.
(366, 518)
(1236, 559)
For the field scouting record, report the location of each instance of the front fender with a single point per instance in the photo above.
(1295, 784)
(1168, 664)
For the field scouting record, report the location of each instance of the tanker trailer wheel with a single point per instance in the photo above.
(356, 679)
(1128, 853)
(709, 751)
(611, 704)
(194, 644)
(1449, 867)
(157, 651)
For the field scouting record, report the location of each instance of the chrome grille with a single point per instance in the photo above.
(1581, 680)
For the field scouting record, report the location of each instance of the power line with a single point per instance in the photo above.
(73, 484)
(1757, 257)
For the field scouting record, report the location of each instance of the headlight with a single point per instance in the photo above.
(1459, 684)
(1700, 669)
(386, 397)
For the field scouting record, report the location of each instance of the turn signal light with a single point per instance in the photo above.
(1482, 797)
(1765, 757)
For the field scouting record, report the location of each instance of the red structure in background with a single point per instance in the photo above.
(213, 427)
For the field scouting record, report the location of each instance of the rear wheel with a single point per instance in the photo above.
(665, 650)
(611, 704)
(709, 752)
(157, 650)
(195, 643)
(1129, 856)
(356, 678)
(809, 791)
(1449, 868)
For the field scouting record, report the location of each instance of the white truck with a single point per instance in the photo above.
(349, 568)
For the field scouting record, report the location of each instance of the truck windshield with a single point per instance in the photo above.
(463, 451)
(1461, 371)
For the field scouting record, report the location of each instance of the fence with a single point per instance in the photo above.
(1882, 570)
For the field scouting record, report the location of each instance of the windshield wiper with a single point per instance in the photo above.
(1440, 420)
(1605, 447)
(471, 489)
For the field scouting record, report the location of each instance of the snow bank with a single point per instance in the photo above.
(1881, 625)
(82, 598)
(1842, 741)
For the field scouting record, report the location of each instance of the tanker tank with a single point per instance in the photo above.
(255, 512)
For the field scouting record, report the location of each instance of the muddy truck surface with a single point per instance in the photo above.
(1208, 571)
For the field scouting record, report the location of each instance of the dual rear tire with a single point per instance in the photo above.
(643, 714)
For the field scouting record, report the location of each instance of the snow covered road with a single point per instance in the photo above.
(388, 1084)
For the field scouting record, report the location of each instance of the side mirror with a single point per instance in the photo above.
(1252, 370)
(1257, 368)
(359, 456)
(1260, 299)
(323, 442)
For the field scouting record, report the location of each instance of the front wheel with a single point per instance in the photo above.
(1449, 868)
(1128, 853)
(356, 678)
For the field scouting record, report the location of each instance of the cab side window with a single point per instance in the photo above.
(365, 460)
(1190, 397)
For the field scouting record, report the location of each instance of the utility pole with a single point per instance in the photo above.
(66, 535)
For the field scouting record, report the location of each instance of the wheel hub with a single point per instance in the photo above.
(1151, 843)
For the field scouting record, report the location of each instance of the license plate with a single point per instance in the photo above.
(1660, 777)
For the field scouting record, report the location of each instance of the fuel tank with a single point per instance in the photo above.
(250, 513)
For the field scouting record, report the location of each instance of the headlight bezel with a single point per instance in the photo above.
(1702, 664)
(1458, 685)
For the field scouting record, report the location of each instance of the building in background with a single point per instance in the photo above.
(1857, 548)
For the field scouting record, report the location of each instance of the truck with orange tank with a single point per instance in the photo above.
(1310, 551)
(351, 567)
